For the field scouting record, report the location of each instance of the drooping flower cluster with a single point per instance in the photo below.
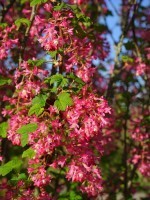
(140, 134)
(6, 42)
(70, 140)
(62, 140)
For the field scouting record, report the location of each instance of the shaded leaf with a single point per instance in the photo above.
(21, 176)
(129, 45)
(76, 79)
(101, 27)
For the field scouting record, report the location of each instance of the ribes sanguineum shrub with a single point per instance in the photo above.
(70, 129)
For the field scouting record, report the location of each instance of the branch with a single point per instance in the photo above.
(24, 43)
(134, 35)
(116, 11)
(109, 93)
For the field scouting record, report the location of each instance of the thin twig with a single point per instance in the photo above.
(24, 43)
(125, 159)
(115, 9)
(109, 92)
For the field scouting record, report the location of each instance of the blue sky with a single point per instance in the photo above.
(112, 21)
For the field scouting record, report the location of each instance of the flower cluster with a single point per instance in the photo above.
(7, 43)
(71, 140)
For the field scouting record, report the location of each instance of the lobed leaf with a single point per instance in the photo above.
(35, 109)
(63, 101)
(59, 80)
(40, 99)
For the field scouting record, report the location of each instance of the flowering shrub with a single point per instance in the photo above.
(68, 130)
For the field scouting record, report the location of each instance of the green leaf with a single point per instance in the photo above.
(24, 139)
(54, 90)
(59, 80)
(127, 59)
(76, 79)
(3, 25)
(87, 22)
(4, 81)
(9, 166)
(81, 17)
(75, 8)
(28, 128)
(146, 120)
(21, 176)
(60, 6)
(63, 101)
(36, 2)
(60, 105)
(28, 153)
(52, 53)
(37, 103)
(74, 196)
(3, 129)
(36, 62)
(79, 31)
(35, 109)
(40, 100)
(24, 21)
